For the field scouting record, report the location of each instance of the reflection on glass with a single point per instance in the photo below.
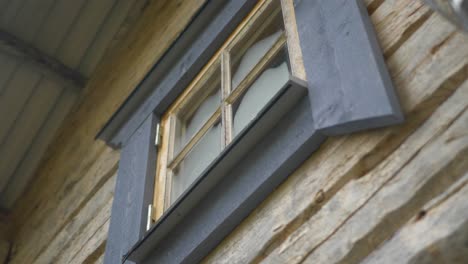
(188, 128)
(259, 94)
(253, 55)
(198, 159)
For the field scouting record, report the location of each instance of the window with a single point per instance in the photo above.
(249, 70)
(227, 141)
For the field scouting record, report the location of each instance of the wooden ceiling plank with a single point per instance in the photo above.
(27, 125)
(3, 5)
(32, 159)
(30, 19)
(8, 14)
(105, 35)
(83, 32)
(47, 65)
(8, 65)
(17, 92)
(57, 25)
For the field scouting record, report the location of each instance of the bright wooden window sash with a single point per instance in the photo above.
(167, 160)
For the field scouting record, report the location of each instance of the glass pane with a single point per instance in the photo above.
(194, 119)
(253, 55)
(249, 51)
(197, 160)
(262, 90)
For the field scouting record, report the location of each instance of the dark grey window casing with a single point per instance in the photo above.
(349, 89)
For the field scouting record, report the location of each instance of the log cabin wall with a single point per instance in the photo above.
(392, 195)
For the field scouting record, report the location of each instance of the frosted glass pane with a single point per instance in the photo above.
(187, 129)
(197, 160)
(252, 56)
(259, 94)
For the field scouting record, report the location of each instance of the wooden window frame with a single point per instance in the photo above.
(334, 35)
(265, 10)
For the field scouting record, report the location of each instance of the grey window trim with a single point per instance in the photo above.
(133, 191)
(341, 98)
(173, 72)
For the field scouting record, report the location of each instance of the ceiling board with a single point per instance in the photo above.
(55, 28)
(83, 32)
(15, 97)
(26, 127)
(106, 33)
(9, 13)
(8, 65)
(3, 5)
(25, 25)
(32, 159)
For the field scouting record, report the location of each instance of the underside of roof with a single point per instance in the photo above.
(48, 50)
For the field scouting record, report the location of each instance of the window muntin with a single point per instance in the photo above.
(264, 83)
(197, 159)
(223, 99)
(248, 49)
(196, 112)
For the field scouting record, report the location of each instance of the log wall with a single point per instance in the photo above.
(392, 195)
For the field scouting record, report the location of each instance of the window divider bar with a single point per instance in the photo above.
(256, 71)
(226, 74)
(194, 140)
(167, 191)
(226, 89)
(243, 33)
(164, 175)
(227, 119)
(194, 92)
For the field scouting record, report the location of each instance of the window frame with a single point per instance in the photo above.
(193, 227)
(220, 66)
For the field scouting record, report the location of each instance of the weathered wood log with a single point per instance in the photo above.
(396, 193)
(384, 197)
(437, 234)
(70, 200)
(81, 228)
(96, 242)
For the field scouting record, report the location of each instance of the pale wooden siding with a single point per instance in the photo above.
(362, 197)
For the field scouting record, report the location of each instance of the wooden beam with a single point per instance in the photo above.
(48, 65)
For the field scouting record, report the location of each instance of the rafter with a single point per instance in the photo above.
(50, 66)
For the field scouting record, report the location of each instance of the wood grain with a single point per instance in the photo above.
(416, 241)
